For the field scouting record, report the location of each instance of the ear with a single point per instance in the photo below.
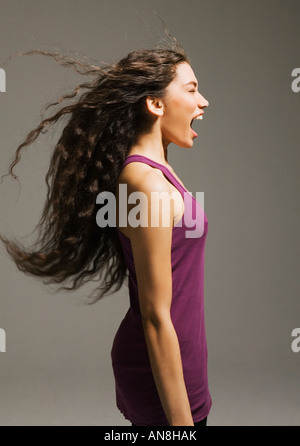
(155, 106)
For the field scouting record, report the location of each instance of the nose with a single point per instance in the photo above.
(202, 102)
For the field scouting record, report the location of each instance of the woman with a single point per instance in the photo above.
(117, 135)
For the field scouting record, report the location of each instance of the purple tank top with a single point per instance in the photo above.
(136, 394)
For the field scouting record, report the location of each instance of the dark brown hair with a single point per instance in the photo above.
(102, 126)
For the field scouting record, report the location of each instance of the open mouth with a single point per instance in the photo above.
(198, 117)
(192, 121)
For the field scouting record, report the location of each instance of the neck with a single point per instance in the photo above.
(152, 146)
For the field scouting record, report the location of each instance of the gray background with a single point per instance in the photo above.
(57, 369)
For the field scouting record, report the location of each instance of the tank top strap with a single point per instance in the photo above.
(164, 169)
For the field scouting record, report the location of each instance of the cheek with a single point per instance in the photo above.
(176, 122)
(185, 106)
(180, 113)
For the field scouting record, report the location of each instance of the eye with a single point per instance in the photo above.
(192, 91)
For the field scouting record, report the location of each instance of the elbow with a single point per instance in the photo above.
(155, 318)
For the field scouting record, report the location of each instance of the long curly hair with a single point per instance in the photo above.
(103, 124)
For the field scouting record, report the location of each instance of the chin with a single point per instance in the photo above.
(187, 144)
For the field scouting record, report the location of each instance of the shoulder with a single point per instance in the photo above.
(143, 178)
(155, 206)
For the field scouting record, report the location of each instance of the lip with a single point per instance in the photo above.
(199, 114)
(194, 133)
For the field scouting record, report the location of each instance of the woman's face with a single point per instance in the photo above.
(182, 103)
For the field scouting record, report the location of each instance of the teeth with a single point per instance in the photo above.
(199, 117)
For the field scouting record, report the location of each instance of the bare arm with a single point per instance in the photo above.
(151, 248)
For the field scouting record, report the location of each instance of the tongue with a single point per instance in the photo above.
(194, 133)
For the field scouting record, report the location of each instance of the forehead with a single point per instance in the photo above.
(184, 74)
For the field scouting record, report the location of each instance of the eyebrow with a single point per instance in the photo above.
(191, 83)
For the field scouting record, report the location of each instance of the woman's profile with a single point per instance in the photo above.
(117, 134)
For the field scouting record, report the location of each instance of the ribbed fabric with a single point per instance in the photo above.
(136, 394)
